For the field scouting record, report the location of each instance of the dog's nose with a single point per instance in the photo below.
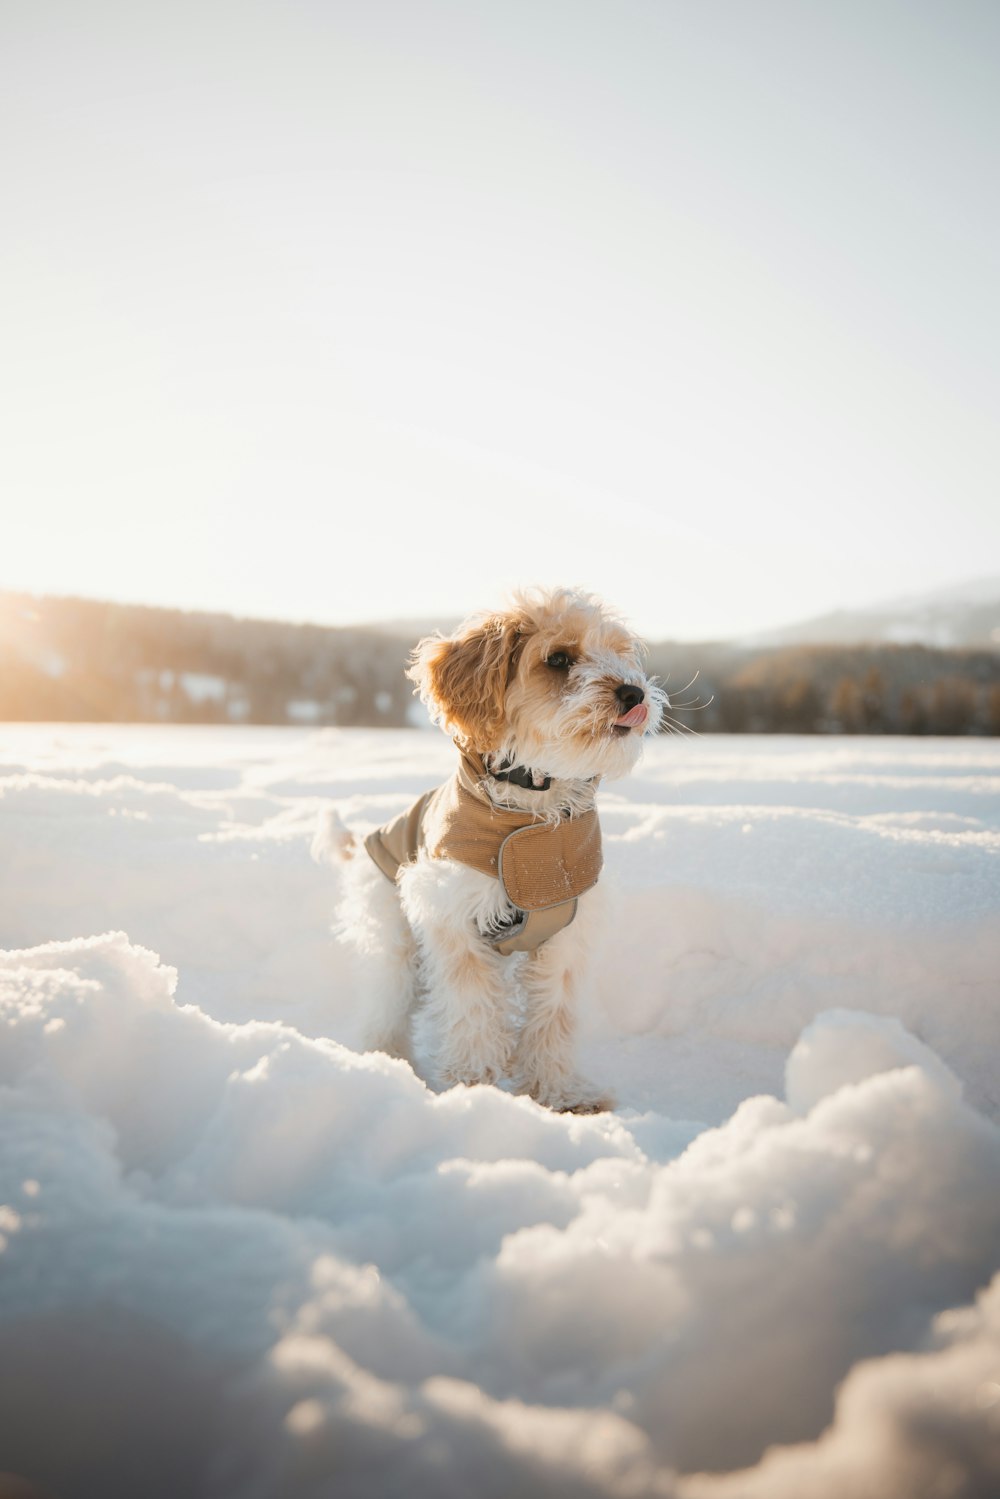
(629, 696)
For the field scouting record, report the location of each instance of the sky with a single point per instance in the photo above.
(346, 312)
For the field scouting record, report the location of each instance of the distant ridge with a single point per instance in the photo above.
(965, 616)
(92, 661)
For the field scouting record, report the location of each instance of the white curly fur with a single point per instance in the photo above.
(493, 686)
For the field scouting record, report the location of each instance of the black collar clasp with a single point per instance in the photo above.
(519, 775)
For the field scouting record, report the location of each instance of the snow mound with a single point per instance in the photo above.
(365, 1280)
(240, 1259)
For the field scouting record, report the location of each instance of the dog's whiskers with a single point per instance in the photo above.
(674, 726)
(688, 684)
(695, 705)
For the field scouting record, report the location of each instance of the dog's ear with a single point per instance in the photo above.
(463, 679)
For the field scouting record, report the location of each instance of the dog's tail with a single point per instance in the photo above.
(333, 842)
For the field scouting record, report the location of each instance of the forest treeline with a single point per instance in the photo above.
(79, 659)
(832, 689)
(86, 660)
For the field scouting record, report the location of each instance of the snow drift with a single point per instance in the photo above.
(239, 1258)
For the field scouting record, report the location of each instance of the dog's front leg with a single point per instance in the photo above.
(543, 1063)
(466, 1006)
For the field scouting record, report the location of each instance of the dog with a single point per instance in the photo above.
(543, 701)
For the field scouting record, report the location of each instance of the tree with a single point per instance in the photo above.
(846, 707)
(953, 706)
(873, 700)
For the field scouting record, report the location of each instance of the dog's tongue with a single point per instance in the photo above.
(634, 716)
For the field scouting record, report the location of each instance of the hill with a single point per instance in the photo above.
(86, 660)
(966, 616)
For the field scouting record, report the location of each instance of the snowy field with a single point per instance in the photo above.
(240, 1260)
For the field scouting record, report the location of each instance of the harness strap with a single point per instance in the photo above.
(542, 867)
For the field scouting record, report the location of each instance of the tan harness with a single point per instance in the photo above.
(542, 867)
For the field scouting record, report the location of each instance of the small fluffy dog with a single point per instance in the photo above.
(543, 701)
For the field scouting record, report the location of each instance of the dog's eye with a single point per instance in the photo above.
(559, 660)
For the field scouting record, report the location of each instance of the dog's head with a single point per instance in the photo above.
(556, 683)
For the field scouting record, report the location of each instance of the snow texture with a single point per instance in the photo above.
(241, 1260)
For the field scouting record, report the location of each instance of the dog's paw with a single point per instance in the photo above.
(574, 1095)
(469, 1077)
(604, 1104)
(597, 1103)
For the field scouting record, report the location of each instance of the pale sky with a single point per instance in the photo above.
(343, 311)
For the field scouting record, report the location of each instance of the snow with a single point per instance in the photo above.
(240, 1258)
(203, 687)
